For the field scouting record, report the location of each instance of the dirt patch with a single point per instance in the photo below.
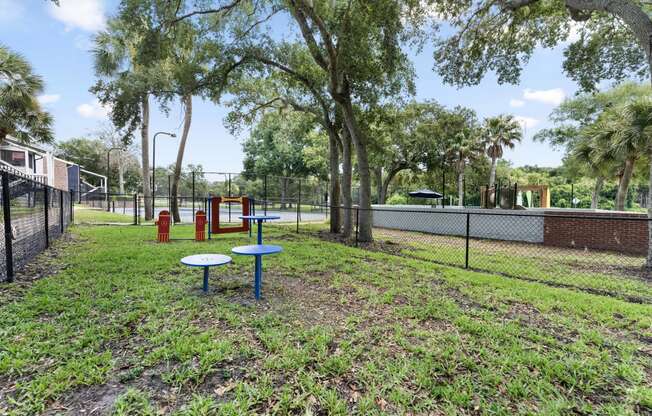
(386, 246)
(88, 400)
(47, 263)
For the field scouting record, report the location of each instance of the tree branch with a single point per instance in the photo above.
(223, 9)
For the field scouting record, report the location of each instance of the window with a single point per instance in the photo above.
(13, 157)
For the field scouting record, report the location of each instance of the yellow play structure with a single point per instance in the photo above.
(513, 197)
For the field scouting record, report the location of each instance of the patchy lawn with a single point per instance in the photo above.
(86, 215)
(121, 327)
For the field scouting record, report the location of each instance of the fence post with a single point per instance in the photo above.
(466, 252)
(357, 218)
(169, 196)
(6, 208)
(72, 207)
(265, 194)
(299, 206)
(193, 196)
(229, 195)
(46, 208)
(515, 193)
(61, 210)
(136, 209)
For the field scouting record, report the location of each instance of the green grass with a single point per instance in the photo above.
(123, 327)
(100, 216)
(599, 272)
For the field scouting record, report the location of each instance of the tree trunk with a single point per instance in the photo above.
(187, 119)
(492, 173)
(378, 172)
(347, 177)
(595, 198)
(334, 185)
(390, 176)
(283, 192)
(360, 142)
(121, 173)
(648, 263)
(144, 146)
(623, 186)
(460, 187)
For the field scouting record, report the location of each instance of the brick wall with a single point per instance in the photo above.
(622, 232)
(60, 175)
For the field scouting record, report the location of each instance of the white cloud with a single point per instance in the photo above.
(10, 10)
(87, 15)
(93, 110)
(526, 122)
(48, 98)
(516, 103)
(553, 96)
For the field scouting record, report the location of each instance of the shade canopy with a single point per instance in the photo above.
(425, 193)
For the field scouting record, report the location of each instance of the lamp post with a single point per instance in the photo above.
(443, 176)
(108, 173)
(154, 166)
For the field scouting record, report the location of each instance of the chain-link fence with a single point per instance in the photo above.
(33, 214)
(293, 199)
(591, 251)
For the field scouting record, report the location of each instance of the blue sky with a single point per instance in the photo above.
(56, 41)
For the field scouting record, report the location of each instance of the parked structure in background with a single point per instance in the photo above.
(42, 166)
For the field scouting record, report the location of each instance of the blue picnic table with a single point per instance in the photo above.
(206, 261)
(257, 250)
(260, 219)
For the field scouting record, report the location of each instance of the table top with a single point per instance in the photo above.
(257, 249)
(205, 260)
(259, 217)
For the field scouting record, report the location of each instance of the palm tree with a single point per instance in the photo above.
(598, 161)
(116, 57)
(21, 115)
(500, 132)
(464, 146)
(186, 61)
(636, 135)
(620, 133)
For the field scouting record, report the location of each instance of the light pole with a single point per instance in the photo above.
(443, 176)
(108, 173)
(154, 166)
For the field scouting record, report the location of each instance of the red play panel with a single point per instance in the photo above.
(215, 214)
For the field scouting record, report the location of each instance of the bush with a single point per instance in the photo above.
(397, 199)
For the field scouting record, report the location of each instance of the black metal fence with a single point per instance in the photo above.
(33, 214)
(293, 199)
(595, 252)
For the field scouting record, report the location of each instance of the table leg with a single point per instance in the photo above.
(258, 271)
(260, 232)
(205, 279)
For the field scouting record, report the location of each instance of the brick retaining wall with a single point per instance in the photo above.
(611, 231)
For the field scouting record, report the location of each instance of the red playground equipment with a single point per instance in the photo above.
(200, 226)
(202, 220)
(215, 214)
(163, 224)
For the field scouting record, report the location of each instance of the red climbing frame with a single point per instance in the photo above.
(215, 214)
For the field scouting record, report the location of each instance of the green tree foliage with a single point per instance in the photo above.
(21, 115)
(283, 145)
(605, 40)
(580, 111)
